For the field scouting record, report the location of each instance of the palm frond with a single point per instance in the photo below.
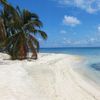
(43, 34)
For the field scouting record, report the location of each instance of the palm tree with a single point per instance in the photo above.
(21, 28)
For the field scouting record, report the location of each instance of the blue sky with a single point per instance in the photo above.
(67, 22)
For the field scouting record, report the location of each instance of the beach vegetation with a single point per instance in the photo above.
(18, 31)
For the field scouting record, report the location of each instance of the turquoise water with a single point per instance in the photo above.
(90, 67)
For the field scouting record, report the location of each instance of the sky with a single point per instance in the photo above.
(68, 23)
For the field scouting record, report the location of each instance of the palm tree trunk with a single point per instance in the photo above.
(34, 53)
(2, 31)
(22, 52)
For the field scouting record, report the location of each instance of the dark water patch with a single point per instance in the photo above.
(96, 66)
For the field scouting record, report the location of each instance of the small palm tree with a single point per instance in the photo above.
(21, 28)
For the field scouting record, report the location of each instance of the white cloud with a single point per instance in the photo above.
(66, 41)
(91, 40)
(63, 32)
(99, 28)
(70, 20)
(91, 10)
(91, 6)
(64, 1)
(87, 41)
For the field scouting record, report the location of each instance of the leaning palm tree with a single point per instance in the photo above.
(21, 28)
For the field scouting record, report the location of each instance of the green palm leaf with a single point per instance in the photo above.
(43, 34)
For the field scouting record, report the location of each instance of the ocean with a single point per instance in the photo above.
(90, 67)
(85, 51)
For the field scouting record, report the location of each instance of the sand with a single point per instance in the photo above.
(51, 77)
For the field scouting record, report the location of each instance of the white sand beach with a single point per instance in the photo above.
(51, 77)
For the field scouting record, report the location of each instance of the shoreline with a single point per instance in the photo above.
(51, 77)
